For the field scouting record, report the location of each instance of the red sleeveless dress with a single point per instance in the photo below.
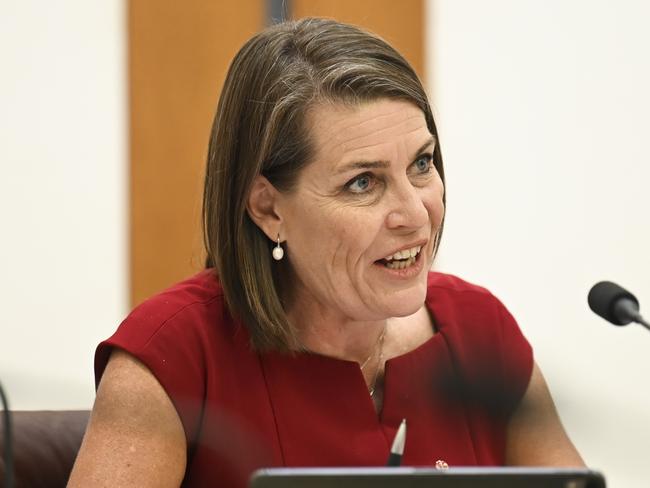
(242, 410)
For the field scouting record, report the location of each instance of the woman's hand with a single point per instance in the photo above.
(134, 437)
(535, 434)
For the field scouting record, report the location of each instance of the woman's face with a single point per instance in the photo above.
(360, 225)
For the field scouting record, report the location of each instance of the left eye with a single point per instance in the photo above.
(422, 163)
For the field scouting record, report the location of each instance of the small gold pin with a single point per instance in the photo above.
(440, 464)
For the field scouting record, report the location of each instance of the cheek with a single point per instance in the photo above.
(354, 230)
(326, 233)
(437, 211)
(433, 201)
(338, 239)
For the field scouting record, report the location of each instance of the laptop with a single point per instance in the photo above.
(426, 477)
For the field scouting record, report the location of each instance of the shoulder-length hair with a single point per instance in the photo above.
(260, 128)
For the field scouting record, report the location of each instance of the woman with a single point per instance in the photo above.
(316, 326)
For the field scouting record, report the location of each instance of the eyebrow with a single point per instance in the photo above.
(381, 164)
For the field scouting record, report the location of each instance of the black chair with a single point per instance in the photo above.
(45, 445)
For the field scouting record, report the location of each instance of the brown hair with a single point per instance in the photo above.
(260, 128)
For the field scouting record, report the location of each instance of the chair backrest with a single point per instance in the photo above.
(45, 445)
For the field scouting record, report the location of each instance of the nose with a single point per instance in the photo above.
(407, 210)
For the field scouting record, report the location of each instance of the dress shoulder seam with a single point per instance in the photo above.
(177, 312)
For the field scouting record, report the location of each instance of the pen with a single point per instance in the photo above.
(397, 449)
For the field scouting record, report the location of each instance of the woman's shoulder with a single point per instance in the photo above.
(187, 320)
(197, 297)
(451, 286)
(176, 334)
(200, 288)
(485, 342)
(469, 314)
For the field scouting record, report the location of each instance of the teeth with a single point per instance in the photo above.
(401, 264)
(404, 254)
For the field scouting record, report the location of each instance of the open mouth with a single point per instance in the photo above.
(401, 259)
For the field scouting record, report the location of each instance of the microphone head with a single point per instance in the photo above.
(603, 298)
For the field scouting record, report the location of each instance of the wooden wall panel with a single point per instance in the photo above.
(178, 56)
(401, 23)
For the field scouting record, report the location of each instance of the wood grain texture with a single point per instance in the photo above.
(401, 23)
(179, 53)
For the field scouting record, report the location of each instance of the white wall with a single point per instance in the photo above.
(62, 195)
(544, 114)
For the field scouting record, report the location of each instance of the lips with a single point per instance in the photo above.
(404, 254)
(404, 258)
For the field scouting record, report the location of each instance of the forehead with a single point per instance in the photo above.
(339, 131)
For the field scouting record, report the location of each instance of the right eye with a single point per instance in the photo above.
(361, 184)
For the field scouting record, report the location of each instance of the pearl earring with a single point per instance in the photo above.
(278, 252)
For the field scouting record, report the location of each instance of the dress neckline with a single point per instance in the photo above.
(424, 346)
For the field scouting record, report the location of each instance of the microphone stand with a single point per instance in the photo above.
(643, 323)
(8, 447)
(627, 310)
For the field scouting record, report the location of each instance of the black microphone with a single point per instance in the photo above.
(615, 304)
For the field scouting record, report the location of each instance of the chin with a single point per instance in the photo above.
(406, 303)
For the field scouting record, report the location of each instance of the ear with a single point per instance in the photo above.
(262, 207)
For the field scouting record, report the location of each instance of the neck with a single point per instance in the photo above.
(351, 340)
(325, 333)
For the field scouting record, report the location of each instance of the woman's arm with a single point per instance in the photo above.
(535, 434)
(134, 437)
